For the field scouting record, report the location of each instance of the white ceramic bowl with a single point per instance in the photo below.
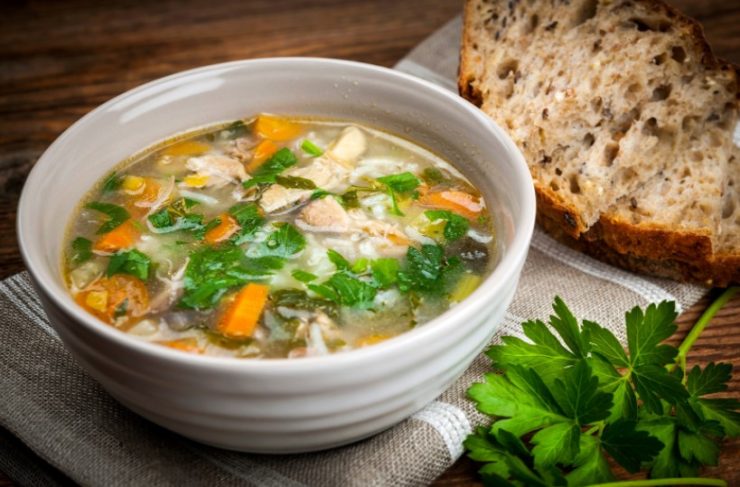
(278, 405)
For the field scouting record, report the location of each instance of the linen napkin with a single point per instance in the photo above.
(60, 425)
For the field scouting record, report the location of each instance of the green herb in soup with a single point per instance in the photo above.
(278, 237)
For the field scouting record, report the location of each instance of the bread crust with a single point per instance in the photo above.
(646, 248)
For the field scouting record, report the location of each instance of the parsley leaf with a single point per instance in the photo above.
(211, 272)
(250, 218)
(385, 271)
(266, 173)
(433, 176)
(352, 291)
(116, 215)
(295, 182)
(456, 226)
(338, 260)
(112, 182)
(168, 220)
(396, 184)
(131, 262)
(303, 276)
(297, 299)
(628, 446)
(577, 397)
(404, 182)
(235, 129)
(81, 250)
(427, 270)
(283, 242)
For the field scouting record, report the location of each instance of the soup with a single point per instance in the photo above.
(278, 237)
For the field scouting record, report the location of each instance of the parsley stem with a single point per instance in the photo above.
(698, 328)
(676, 481)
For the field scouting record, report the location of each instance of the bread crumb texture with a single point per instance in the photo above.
(625, 118)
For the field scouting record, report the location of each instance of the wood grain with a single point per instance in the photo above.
(58, 60)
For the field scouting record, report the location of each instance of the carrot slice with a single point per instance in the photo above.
(240, 319)
(262, 152)
(189, 345)
(223, 230)
(460, 202)
(186, 148)
(122, 237)
(276, 128)
(371, 340)
(151, 191)
(119, 299)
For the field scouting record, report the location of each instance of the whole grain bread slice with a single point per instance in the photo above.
(625, 118)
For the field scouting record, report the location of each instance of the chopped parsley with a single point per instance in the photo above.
(132, 262)
(428, 271)
(211, 272)
(266, 173)
(311, 149)
(295, 182)
(250, 218)
(303, 276)
(399, 184)
(346, 290)
(385, 271)
(338, 260)
(117, 215)
(112, 183)
(81, 250)
(235, 130)
(456, 226)
(283, 242)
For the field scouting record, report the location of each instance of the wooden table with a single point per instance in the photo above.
(58, 60)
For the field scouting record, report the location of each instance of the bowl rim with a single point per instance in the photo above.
(494, 283)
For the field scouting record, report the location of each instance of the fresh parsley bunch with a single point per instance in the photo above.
(571, 396)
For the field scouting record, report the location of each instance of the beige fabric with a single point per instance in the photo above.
(68, 423)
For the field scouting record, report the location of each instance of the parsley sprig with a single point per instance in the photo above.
(570, 397)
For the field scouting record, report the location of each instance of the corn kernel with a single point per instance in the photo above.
(371, 340)
(132, 183)
(97, 300)
(195, 180)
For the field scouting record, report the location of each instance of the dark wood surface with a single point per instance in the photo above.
(59, 59)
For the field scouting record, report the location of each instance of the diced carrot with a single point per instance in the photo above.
(276, 128)
(241, 317)
(151, 190)
(460, 202)
(371, 340)
(122, 237)
(223, 230)
(143, 189)
(120, 299)
(186, 148)
(262, 152)
(189, 345)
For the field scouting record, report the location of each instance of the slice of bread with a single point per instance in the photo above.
(625, 118)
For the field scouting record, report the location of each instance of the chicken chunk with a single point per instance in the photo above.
(325, 173)
(220, 170)
(324, 215)
(329, 172)
(348, 147)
